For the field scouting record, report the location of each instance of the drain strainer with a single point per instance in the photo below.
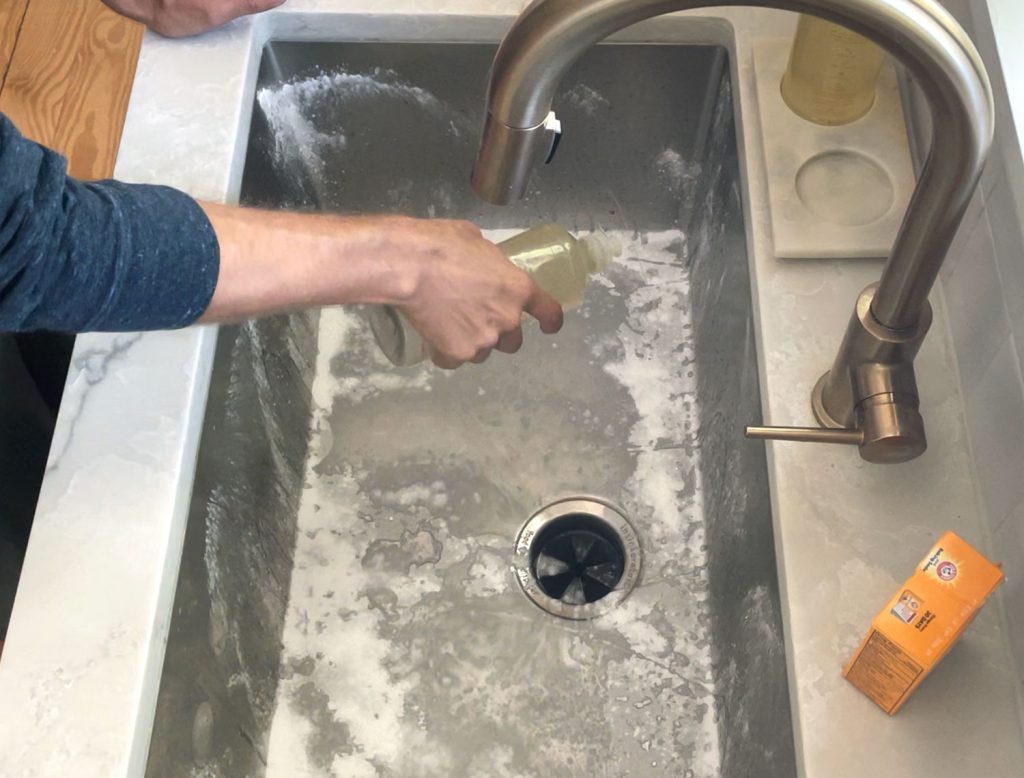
(577, 558)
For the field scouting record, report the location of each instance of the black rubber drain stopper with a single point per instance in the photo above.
(577, 559)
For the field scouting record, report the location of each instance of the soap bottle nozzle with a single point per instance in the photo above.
(601, 248)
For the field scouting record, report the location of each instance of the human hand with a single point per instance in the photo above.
(454, 286)
(464, 296)
(181, 18)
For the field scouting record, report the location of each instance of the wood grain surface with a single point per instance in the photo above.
(11, 14)
(69, 78)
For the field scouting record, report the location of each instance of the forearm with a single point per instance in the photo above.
(108, 256)
(272, 261)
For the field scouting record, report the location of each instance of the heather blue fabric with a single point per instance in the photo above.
(99, 256)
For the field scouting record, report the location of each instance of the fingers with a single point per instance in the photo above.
(235, 8)
(447, 362)
(545, 309)
(472, 300)
(510, 342)
(444, 361)
(185, 18)
(256, 6)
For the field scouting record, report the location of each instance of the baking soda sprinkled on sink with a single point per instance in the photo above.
(404, 616)
(296, 137)
(676, 170)
(589, 100)
(303, 136)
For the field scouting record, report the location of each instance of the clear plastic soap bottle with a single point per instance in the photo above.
(831, 74)
(557, 261)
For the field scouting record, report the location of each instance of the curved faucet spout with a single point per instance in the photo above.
(875, 364)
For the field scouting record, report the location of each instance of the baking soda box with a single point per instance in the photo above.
(922, 621)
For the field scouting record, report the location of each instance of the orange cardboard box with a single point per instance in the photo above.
(922, 622)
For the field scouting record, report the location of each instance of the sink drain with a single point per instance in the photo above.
(577, 558)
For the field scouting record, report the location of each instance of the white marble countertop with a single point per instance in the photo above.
(1008, 28)
(81, 668)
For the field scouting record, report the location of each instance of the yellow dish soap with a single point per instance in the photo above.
(831, 74)
(559, 262)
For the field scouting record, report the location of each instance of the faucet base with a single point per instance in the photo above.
(872, 388)
(821, 414)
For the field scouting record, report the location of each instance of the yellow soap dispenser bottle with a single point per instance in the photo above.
(832, 73)
(559, 262)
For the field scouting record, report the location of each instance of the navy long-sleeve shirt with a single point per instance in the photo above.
(100, 256)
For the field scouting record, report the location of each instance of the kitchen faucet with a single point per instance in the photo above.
(869, 397)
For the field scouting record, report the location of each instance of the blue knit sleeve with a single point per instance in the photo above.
(100, 256)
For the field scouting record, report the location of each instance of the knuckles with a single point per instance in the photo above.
(518, 288)
(466, 228)
(511, 321)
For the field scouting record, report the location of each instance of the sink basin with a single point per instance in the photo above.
(350, 600)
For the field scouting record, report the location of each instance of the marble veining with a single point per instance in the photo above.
(89, 366)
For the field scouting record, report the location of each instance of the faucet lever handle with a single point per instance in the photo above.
(807, 434)
(889, 429)
(553, 125)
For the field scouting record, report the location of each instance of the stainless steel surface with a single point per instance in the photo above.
(872, 385)
(223, 655)
(513, 153)
(523, 561)
(347, 603)
(549, 36)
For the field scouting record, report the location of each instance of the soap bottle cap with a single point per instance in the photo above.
(397, 338)
(602, 249)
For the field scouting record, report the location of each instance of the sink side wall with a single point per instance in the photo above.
(752, 692)
(223, 651)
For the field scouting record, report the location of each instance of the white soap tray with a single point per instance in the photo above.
(833, 191)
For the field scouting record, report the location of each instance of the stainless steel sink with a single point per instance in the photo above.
(348, 602)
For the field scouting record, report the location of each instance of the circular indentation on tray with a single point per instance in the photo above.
(577, 558)
(845, 187)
